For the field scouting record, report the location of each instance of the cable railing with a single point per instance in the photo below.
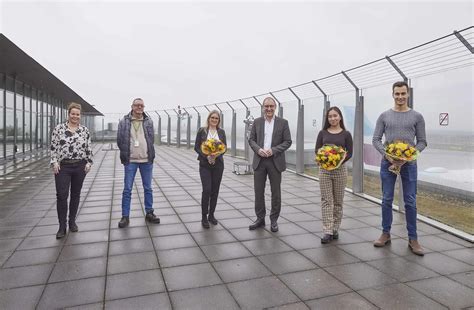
(361, 91)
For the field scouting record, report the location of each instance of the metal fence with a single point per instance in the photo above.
(431, 69)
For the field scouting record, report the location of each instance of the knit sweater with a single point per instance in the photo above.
(404, 126)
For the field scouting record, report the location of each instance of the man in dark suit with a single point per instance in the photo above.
(269, 139)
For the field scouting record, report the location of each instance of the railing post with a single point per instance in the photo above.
(188, 129)
(358, 149)
(168, 129)
(178, 127)
(280, 106)
(233, 132)
(326, 104)
(221, 115)
(299, 135)
(261, 106)
(158, 132)
(246, 127)
(198, 120)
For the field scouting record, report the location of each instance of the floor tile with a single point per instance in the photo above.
(313, 284)
(212, 297)
(261, 293)
(191, 276)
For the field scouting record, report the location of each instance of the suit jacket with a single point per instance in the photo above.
(201, 137)
(281, 141)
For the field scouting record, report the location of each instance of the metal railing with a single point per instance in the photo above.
(452, 52)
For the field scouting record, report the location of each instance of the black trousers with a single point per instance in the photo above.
(265, 168)
(211, 177)
(70, 177)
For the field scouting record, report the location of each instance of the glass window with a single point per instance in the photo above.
(10, 124)
(19, 123)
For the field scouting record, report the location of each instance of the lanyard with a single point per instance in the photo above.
(136, 126)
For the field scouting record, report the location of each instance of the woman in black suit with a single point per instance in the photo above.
(211, 168)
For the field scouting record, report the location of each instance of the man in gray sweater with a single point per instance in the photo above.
(399, 123)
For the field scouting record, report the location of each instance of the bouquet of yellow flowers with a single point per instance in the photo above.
(213, 147)
(402, 152)
(330, 156)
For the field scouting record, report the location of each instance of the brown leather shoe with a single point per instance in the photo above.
(416, 248)
(383, 240)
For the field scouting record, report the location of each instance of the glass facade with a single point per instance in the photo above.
(27, 118)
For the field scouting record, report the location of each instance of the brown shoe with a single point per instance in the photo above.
(416, 248)
(383, 240)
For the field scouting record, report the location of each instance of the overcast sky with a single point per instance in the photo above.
(194, 53)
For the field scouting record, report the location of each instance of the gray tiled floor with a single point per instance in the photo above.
(179, 265)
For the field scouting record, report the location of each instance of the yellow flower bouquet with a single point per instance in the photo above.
(213, 147)
(402, 152)
(330, 156)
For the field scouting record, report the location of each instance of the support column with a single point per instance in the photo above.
(299, 135)
(358, 141)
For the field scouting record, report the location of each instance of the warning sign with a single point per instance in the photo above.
(443, 119)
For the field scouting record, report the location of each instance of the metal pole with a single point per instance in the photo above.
(188, 129)
(168, 129)
(178, 129)
(280, 106)
(37, 120)
(15, 119)
(4, 116)
(158, 133)
(246, 127)
(233, 132)
(326, 104)
(221, 115)
(358, 154)
(464, 41)
(261, 106)
(23, 125)
(198, 119)
(299, 135)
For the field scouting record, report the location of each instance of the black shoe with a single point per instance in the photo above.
(274, 227)
(326, 238)
(124, 222)
(73, 227)
(335, 235)
(212, 220)
(205, 222)
(61, 232)
(258, 223)
(152, 218)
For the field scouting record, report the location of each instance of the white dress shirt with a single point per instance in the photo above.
(267, 142)
(213, 135)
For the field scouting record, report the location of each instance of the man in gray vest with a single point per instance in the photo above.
(135, 139)
(269, 138)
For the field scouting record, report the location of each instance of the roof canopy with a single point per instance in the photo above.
(14, 62)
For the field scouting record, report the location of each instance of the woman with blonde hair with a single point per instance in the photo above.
(71, 160)
(211, 167)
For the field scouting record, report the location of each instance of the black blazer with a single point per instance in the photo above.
(281, 141)
(201, 137)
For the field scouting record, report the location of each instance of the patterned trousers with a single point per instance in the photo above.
(332, 185)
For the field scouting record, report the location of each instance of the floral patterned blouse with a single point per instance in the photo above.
(66, 144)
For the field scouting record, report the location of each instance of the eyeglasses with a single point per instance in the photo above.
(215, 118)
(139, 105)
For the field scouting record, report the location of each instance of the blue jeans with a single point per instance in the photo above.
(146, 172)
(409, 179)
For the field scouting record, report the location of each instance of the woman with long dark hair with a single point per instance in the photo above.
(211, 167)
(333, 183)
